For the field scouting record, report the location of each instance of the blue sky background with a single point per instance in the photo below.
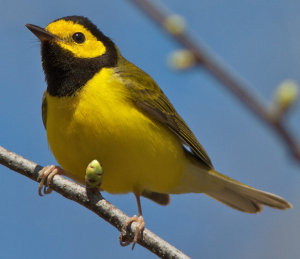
(260, 40)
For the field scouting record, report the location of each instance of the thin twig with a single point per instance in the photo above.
(92, 201)
(239, 89)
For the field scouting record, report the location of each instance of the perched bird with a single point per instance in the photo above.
(100, 106)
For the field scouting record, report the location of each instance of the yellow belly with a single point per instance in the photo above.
(101, 122)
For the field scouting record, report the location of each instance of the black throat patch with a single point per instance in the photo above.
(66, 74)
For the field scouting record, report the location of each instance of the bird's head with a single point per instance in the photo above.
(73, 49)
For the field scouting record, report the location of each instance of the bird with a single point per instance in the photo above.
(98, 105)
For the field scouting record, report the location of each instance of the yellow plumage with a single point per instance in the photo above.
(101, 122)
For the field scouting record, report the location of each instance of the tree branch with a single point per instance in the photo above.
(236, 86)
(92, 201)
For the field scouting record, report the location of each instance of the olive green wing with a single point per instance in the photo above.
(147, 94)
(44, 109)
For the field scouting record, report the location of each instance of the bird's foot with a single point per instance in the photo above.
(47, 173)
(140, 224)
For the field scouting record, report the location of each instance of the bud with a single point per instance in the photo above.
(182, 59)
(285, 96)
(94, 174)
(175, 24)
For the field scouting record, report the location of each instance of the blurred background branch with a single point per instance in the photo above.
(195, 54)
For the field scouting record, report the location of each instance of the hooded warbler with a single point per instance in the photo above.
(98, 105)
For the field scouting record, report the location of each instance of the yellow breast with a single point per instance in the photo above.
(102, 122)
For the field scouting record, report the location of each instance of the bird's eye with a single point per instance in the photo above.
(78, 37)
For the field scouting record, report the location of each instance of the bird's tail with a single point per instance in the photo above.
(244, 198)
(198, 178)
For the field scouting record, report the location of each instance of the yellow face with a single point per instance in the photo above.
(77, 39)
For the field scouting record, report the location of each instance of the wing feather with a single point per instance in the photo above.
(148, 96)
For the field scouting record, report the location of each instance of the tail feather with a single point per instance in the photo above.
(160, 198)
(236, 201)
(245, 198)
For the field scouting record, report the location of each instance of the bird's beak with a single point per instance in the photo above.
(41, 33)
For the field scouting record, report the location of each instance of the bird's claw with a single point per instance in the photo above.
(140, 224)
(48, 173)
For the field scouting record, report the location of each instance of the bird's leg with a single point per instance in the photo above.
(140, 224)
(48, 173)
